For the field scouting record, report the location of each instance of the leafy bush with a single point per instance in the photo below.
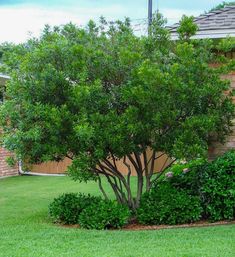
(186, 176)
(104, 215)
(218, 188)
(11, 161)
(88, 211)
(66, 208)
(213, 182)
(167, 205)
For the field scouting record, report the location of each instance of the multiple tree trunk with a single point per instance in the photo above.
(136, 164)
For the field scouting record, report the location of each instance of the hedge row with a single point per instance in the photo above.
(186, 193)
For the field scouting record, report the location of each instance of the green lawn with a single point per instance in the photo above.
(25, 229)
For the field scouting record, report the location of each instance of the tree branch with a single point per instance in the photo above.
(146, 163)
(102, 189)
(162, 170)
(129, 169)
(133, 162)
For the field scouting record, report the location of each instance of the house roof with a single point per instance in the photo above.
(215, 24)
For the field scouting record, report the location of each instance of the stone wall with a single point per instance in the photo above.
(5, 169)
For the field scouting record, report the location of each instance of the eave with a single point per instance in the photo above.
(3, 79)
(209, 34)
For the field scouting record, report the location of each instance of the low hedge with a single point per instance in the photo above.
(218, 188)
(167, 205)
(88, 211)
(66, 208)
(213, 182)
(104, 215)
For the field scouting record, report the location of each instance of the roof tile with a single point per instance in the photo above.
(215, 20)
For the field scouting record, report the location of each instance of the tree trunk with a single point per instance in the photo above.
(120, 184)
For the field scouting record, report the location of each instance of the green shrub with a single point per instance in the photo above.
(104, 215)
(167, 205)
(218, 188)
(187, 176)
(66, 208)
(88, 211)
(213, 182)
(11, 161)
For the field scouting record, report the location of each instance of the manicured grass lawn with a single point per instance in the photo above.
(25, 229)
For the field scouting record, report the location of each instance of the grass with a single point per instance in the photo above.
(26, 230)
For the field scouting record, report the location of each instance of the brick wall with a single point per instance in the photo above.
(218, 149)
(5, 170)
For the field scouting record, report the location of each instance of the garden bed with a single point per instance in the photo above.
(197, 195)
(134, 226)
(137, 227)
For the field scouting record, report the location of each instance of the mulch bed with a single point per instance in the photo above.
(137, 227)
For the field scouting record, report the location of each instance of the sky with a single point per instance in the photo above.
(20, 19)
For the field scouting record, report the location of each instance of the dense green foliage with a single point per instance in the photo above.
(100, 94)
(218, 188)
(104, 215)
(66, 208)
(88, 211)
(188, 28)
(186, 177)
(167, 205)
(213, 182)
(199, 188)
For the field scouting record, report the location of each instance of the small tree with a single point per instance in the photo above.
(101, 94)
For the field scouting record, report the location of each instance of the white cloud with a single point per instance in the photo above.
(174, 15)
(16, 23)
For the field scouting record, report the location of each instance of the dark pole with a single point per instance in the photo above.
(150, 15)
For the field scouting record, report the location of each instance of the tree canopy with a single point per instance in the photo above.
(100, 94)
